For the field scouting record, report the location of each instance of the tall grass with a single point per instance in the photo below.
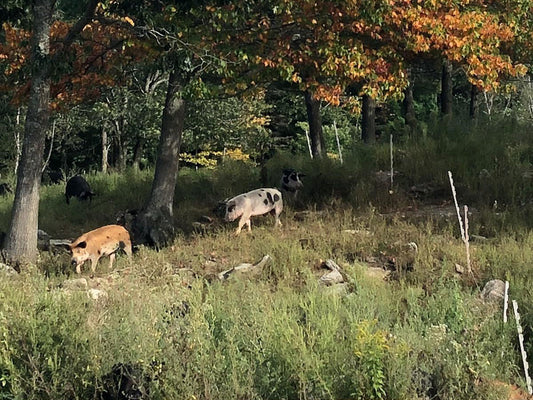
(279, 334)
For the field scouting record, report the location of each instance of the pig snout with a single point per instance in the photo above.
(231, 213)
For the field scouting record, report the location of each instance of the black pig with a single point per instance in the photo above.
(78, 187)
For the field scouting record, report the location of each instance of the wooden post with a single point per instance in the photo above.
(309, 143)
(338, 141)
(391, 166)
(522, 350)
(464, 233)
(505, 302)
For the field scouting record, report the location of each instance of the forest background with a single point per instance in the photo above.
(169, 107)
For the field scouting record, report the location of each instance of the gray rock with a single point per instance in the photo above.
(332, 278)
(75, 284)
(245, 267)
(43, 240)
(493, 291)
(7, 270)
(340, 289)
(97, 294)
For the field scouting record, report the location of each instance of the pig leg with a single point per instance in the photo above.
(94, 261)
(245, 220)
(277, 210)
(78, 268)
(111, 260)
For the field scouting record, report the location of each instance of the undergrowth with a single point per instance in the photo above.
(422, 332)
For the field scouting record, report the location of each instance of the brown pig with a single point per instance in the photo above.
(104, 241)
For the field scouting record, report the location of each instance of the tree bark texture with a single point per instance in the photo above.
(154, 225)
(21, 240)
(409, 109)
(368, 120)
(105, 150)
(473, 110)
(138, 152)
(316, 134)
(166, 167)
(446, 94)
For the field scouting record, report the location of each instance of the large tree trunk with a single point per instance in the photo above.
(368, 122)
(21, 240)
(446, 95)
(409, 109)
(154, 225)
(318, 146)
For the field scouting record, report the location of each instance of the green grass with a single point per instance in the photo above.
(422, 333)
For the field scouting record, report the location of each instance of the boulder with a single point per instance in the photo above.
(493, 291)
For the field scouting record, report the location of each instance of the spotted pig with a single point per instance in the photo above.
(256, 202)
(101, 242)
(291, 182)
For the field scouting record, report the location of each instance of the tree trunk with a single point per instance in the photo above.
(18, 145)
(368, 123)
(21, 240)
(409, 109)
(446, 95)
(105, 151)
(138, 152)
(473, 102)
(121, 148)
(154, 225)
(318, 146)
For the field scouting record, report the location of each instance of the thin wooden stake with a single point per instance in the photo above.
(391, 166)
(522, 350)
(309, 143)
(505, 302)
(464, 233)
(456, 205)
(338, 141)
(466, 241)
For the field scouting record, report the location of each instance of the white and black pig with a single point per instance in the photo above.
(256, 202)
(291, 181)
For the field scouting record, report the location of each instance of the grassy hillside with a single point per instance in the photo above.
(406, 325)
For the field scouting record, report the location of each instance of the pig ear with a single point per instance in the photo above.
(82, 244)
(231, 207)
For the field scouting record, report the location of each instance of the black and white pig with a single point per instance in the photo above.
(291, 182)
(256, 202)
(78, 187)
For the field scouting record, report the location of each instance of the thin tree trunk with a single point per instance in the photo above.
(473, 110)
(105, 151)
(18, 145)
(21, 240)
(316, 134)
(121, 150)
(446, 95)
(368, 123)
(138, 152)
(166, 167)
(47, 159)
